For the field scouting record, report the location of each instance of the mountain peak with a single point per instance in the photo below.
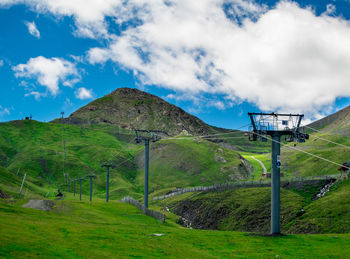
(132, 108)
(130, 92)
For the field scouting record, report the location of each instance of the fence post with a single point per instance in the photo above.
(20, 190)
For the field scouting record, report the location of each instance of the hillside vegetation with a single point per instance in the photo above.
(334, 128)
(37, 149)
(249, 209)
(192, 162)
(83, 230)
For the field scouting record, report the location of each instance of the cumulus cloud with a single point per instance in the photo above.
(37, 95)
(82, 93)
(284, 58)
(89, 15)
(32, 29)
(48, 72)
(287, 59)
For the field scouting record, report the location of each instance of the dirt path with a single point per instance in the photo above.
(261, 163)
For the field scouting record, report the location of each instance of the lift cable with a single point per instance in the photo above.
(327, 140)
(308, 153)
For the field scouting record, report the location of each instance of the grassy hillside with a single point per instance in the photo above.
(300, 164)
(330, 214)
(336, 128)
(241, 209)
(10, 183)
(84, 230)
(257, 168)
(191, 162)
(37, 149)
(249, 209)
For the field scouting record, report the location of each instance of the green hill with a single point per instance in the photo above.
(131, 108)
(37, 149)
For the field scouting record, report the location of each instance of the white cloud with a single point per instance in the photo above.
(282, 59)
(37, 95)
(89, 15)
(49, 72)
(82, 93)
(4, 111)
(67, 104)
(32, 29)
(289, 59)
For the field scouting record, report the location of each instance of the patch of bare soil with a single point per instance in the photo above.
(46, 205)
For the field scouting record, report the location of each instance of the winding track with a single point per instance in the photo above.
(261, 163)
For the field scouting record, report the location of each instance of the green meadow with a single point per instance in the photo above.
(116, 230)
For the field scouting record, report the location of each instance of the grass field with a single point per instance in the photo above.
(116, 230)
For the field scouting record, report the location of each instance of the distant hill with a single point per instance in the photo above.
(338, 122)
(128, 109)
(134, 109)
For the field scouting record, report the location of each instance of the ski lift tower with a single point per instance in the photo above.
(276, 126)
(147, 135)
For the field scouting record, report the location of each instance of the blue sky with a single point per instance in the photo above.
(217, 59)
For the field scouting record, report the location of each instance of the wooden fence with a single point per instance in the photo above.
(245, 184)
(152, 213)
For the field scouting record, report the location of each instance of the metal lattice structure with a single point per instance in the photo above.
(275, 126)
(153, 135)
(269, 124)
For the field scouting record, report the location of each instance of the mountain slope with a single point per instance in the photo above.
(331, 142)
(191, 162)
(132, 108)
(37, 149)
(338, 122)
